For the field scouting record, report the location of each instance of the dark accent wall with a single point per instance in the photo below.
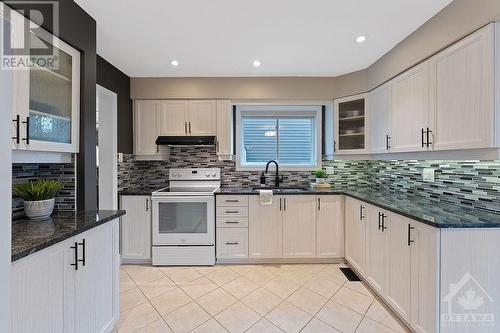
(115, 80)
(78, 29)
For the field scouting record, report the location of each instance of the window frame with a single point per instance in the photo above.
(279, 111)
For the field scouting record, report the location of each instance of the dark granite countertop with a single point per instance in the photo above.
(146, 190)
(426, 210)
(29, 236)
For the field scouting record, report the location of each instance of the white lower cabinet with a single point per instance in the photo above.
(377, 249)
(299, 226)
(265, 228)
(136, 228)
(232, 243)
(355, 233)
(49, 293)
(330, 226)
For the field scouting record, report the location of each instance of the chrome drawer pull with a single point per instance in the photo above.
(232, 243)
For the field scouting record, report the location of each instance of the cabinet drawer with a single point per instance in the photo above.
(232, 222)
(232, 211)
(232, 200)
(232, 243)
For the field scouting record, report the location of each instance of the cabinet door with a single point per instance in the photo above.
(377, 248)
(351, 119)
(330, 226)
(265, 228)
(299, 226)
(424, 278)
(411, 109)
(202, 118)
(355, 224)
(136, 228)
(43, 290)
(97, 280)
(145, 122)
(224, 129)
(464, 93)
(173, 119)
(380, 120)
(399, 270)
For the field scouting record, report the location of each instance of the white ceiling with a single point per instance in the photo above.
(223, 37)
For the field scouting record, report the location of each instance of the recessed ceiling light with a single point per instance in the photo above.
(360, 39)
(256, 63)
(174, 63)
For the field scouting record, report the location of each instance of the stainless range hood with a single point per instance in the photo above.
(185, 141)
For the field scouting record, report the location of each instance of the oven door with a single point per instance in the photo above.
(184, 220)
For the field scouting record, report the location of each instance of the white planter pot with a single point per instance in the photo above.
(320, 180)
(39, 210)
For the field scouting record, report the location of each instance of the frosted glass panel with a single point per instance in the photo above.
(182, 217)
(50, 101)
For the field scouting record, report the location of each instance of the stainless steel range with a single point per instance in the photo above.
(184, 218)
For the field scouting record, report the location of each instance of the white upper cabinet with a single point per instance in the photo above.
(380, 124)
(145, 127)
(202, 117)
(173, 118)
(47, 112)
(224, 129)
(410, 117)
(351, 120)
(463, 85)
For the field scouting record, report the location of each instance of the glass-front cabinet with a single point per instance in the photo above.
(47, 95)
(351, 118)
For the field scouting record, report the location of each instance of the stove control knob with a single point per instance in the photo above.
(207, 175)
(214, 175)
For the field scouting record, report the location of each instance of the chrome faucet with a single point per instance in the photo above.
(278, 179)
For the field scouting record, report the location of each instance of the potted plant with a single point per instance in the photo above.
(39, 197)
(320, 176)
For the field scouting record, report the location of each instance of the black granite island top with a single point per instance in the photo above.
(426, 210)
(29, 236)
(144, 190)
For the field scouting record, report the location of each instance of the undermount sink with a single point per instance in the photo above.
(282, 189)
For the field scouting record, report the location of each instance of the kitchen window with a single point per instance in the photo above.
(288, 134)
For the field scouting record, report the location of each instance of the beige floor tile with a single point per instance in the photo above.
(317, 326)
(237, 318)
(240, 287)
(298, 276)
(276, 269)
(198, 287)
(207, 269)
(222, 276)
(369, 326)
(339, 317)
(281, 287)
(264, 326)
(353, 300)
(307, 300)
(333, 273)
(314, 268)
(146, 274)
(381, 314)
(137, 317)
(170, 301)
(262, 301)
(210, 326)
(131, 298)
(157, 287)
(126, 283)
(241, 269)
(288, 317)
(157, 326)
(130, 268)
(216, 301)
(186, 318)
(260, 276)
(185, 275)
(322, 286)
(359, 286)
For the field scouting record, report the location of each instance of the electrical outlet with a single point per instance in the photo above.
(120, 157)
(428, 175)
(330, 170)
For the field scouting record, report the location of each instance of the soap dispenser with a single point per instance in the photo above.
(262, 179)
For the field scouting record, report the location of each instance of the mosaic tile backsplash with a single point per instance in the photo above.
(64, 172)
(469, 183)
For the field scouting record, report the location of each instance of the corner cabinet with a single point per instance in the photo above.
(46, 116)
(135, 229)
(351, 120)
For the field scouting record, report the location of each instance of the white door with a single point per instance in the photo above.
(330, 226)
(355, 224)
(202, 117)
(173, 118)
(425, 278)
(377, 245)
(183, 220)
(265, 228)
(411, 109)
(399, 268)
(299, 226)
(380, 118)
(136, 227)
(464, 93)
(96, 280)
(145, 124)
(224, 128)
(43, 291)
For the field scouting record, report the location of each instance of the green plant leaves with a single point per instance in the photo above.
(42, 189)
